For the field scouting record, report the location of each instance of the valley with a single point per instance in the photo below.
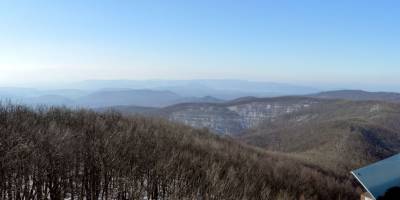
(234, 117)
(336, 134)
(321, 136)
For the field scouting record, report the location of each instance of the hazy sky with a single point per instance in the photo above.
(286, 41)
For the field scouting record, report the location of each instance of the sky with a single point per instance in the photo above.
(353, 42)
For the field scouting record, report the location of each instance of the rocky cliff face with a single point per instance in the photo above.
(234, 117)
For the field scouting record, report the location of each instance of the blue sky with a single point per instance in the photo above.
(310, 42)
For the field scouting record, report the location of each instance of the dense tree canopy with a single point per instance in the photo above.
(57, 153)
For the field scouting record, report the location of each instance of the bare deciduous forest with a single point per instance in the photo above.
(57, 153)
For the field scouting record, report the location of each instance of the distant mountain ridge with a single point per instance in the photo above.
(359, 95)
(219, 88)
(146, 98)
(160, 93)
(127, 110)
(108, 97)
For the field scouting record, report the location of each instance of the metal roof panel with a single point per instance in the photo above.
(378, 177)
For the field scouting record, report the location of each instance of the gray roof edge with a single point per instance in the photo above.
(369, 192)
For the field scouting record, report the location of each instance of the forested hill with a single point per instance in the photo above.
(340, 135)
(58, 153)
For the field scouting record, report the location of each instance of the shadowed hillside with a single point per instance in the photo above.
(58, 153)
(340, 135)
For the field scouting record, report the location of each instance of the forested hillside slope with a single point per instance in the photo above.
(338, 135)
(58, 153)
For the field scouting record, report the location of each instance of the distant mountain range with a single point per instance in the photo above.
(221, 89)
(359, 95)
(148, 98)
(101, 98)
(151, 93)
(159, 93)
